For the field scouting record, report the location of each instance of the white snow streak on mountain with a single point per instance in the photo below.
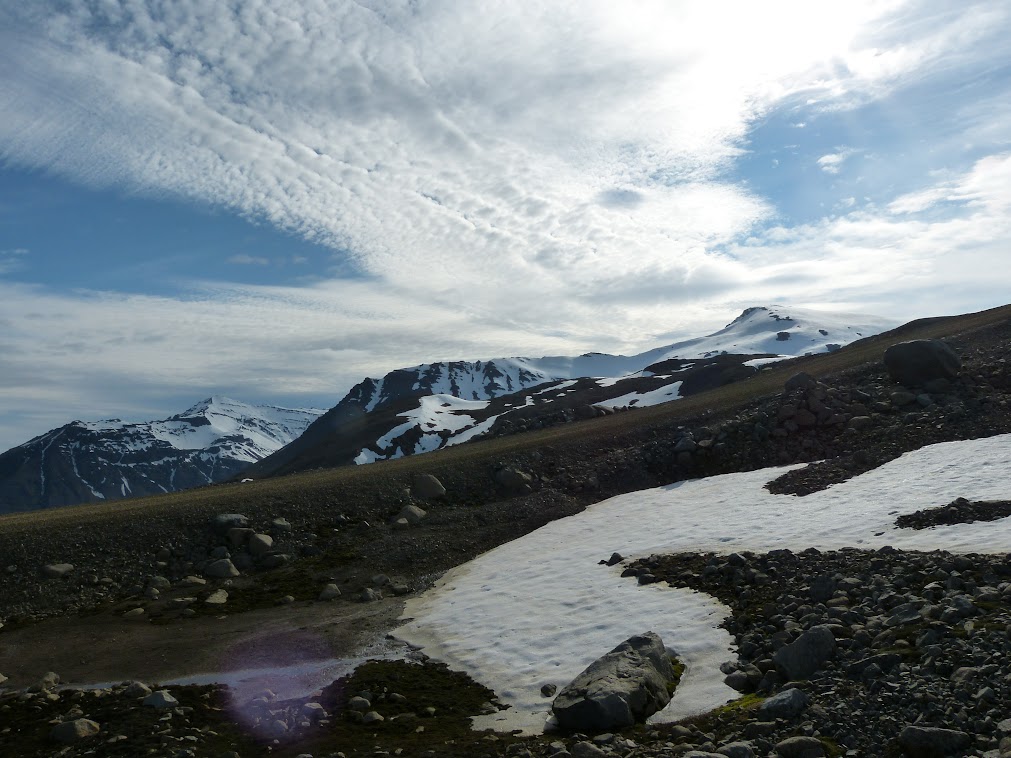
(540, 609)
(264, 429)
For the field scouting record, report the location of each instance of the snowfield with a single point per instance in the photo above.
(540, 609)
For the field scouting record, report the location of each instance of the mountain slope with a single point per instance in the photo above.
(430, 406)
(106, 460)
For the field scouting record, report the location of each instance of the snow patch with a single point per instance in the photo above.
(540, 609)
(662, 394)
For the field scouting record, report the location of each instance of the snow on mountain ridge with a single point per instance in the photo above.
(776, 330)
(85, 461)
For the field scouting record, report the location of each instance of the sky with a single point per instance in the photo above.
(272, 201)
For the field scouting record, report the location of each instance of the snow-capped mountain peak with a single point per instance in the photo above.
(405, 421)
(101, 460)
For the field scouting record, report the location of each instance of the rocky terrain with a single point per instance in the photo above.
(882, 647)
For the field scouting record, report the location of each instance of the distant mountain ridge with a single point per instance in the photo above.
(105, 460)
(433, 405)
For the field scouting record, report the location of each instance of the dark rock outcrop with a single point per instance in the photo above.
(917, 362)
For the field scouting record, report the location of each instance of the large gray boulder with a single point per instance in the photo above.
(427, 486)
(784, 705)
(917, 362)
(626, 685)
(70, 732)
(806, 654)
(932, 742)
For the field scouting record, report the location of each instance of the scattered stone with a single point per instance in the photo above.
(314, 711)
(586, 750)
(137, 689)
(134, 614)
(626, 685)
(549, 690)
(370, 595)
(932, 742)
(427, 487)
(238, 536)
(71, 732)
(218, 597)
(330, 592)
(49, 681)
(161, 699)
(223, 568)
(225, 521)
(281, 525)
(359, 703)
(800, 747)
(514, 480)
(737, 750)
(412, 514)
(784, 705)
(806, 654)
(57, 570)
(260, 544)
(372, 717)
(274, 560)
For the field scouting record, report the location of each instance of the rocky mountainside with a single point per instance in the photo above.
(435, 405)
(106, 460)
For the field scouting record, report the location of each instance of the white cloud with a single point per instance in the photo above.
(243, 259)
(905, 259)
(12, 258)
(832, 163)
(505, 177)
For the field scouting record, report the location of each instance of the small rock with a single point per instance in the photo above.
(513, 479)
(134, 614)
(218, 597)
(314, 711)
(370, 595)
(239, 535)
(330, 592)
(373, 717)
(223, 568)
(932, 742)
(800, 747)
(225, 521)
(260, 544)
(806, 654)
(549, 690)
(137, 689)
(737, 750)
(427, 487)
(161, 699)
(274, 560)
(586, 750)
(785, 704)
(57, 570)
(281, 525)
(358, 703)
(70, 732)
(412, 514)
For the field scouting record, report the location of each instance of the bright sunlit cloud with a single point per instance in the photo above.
(489, 179)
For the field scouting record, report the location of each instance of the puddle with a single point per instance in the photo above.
(287, 682)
